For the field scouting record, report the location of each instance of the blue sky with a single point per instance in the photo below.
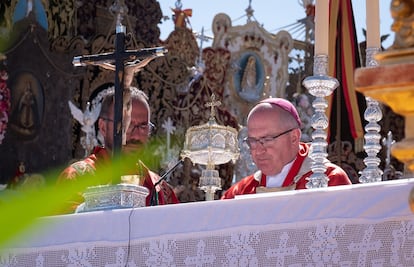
(272, 14)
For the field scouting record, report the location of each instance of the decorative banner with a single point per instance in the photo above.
(345, 103)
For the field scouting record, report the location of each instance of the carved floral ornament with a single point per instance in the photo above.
(260, 59)
(258, 63)
(402, 11)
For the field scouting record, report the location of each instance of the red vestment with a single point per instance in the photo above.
(100, 156)
(298, 172)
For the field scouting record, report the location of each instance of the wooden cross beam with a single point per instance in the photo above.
(125, 63)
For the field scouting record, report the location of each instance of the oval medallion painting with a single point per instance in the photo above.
(249, 77)
(27, 105)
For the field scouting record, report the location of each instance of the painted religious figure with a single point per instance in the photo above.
(249, 77)
(27, 102)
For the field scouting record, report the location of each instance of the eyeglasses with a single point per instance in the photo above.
(253, 142)
(143, 127)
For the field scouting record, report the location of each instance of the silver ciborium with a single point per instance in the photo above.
(211, 144)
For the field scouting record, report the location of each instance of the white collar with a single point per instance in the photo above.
(278, 179)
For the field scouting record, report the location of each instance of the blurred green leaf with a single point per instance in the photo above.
(20, 208)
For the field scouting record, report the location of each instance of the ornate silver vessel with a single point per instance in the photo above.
(211, 144)
(119, 196)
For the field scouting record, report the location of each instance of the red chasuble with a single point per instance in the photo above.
(99, 157)
(296, 177)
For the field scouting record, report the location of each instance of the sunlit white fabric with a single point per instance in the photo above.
(357, 225)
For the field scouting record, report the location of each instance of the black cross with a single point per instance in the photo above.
(117, 61)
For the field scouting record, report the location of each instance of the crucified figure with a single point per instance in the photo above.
(130, 69)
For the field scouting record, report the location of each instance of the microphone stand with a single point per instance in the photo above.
(154, 196)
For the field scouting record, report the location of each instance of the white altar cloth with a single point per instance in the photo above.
(356, 225)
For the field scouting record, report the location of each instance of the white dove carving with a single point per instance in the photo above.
(87, 119)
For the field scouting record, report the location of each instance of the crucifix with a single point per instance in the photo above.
(169, 129)
(203, 38)
(212, 105)
(125, 63)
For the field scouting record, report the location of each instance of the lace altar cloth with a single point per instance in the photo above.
(358, 225)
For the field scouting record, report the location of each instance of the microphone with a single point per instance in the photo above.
(110, 57)
(154, 197)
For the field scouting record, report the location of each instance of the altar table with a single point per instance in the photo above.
(352, 225)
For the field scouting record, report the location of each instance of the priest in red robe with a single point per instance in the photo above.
(137, 134)
(283, 162)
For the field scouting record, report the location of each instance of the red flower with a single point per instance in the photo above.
(4, 103)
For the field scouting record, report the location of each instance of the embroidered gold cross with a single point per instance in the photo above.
(214, 103)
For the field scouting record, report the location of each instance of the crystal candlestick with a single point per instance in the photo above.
(373, 114)
(319, 85)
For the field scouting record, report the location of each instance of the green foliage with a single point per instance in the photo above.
(19, 209)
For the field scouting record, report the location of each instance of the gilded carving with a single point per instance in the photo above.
(217, 64)
(61, 18)
(402, 11)
(181, 43)
(6, 23)
(258, 63)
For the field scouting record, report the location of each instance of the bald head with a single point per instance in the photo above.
(275, 114)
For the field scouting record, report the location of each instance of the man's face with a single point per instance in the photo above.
(138, 131)
(273, 146)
